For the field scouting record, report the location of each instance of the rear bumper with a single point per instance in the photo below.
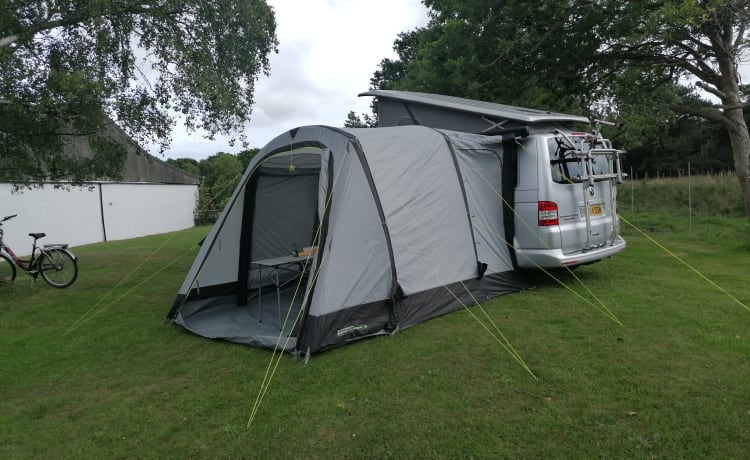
(554, 258)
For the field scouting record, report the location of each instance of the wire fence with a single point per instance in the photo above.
(678, 191)
(679, 173)
(688, 193)
(206, 216)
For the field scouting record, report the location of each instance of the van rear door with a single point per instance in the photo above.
(583, 184)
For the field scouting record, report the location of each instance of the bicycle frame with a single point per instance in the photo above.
(25, 265)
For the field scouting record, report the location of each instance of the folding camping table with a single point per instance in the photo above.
(294, 264)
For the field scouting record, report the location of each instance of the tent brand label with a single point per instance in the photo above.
(350, 329)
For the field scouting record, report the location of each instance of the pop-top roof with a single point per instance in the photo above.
(490, 109)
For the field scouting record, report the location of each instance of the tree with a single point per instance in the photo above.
(602, 56)
(70, 68)
(477, 49)
(186, 164)
(221, 173)
(390, 71)
(355, 121)
(246, 155)
(703, 40)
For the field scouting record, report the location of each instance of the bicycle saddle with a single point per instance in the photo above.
(37, 235)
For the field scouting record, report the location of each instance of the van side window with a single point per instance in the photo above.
(566, 167)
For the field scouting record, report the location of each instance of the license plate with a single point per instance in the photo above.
(595, 210)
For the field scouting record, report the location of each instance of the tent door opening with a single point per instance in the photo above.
(281, 219)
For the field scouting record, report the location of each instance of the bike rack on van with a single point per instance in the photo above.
(589, 177)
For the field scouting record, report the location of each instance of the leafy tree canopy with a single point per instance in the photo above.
(246, 155)
(599, 57)
(220, 173)
(186, 164)
(71, 67)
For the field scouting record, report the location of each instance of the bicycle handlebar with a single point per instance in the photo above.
(8, 217)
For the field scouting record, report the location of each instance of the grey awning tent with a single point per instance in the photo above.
(408, 225)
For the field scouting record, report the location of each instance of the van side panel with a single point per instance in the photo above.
(527, 195)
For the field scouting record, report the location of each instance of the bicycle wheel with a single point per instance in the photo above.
(58, 267)
(7, 270)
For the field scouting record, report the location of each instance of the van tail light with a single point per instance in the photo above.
(548, 213)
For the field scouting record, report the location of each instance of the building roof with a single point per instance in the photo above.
(140, 166)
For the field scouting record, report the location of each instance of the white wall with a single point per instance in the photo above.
(95, 213)
(132, 210)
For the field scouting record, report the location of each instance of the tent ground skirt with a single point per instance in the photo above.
(257, 323)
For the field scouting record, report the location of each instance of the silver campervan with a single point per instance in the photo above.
(559, 183)
(566, 199)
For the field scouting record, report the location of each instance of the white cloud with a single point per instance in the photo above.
(328, 51)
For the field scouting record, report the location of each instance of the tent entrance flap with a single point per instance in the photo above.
(281, 215)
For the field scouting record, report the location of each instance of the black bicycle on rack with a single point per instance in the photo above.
(57, 266)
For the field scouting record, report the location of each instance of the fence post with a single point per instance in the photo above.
(690, 200)
(632, 193)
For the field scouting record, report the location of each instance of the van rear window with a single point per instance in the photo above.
(565, 166)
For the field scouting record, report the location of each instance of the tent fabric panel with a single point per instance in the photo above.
(498, 284)
(342, 326)
(354, 323)
(214, 265)
(481, 168)
(306, 137)
(417, 183)
(425, 305)
(285, 210)
(422, 306)
(220, 250)
(407, 107)
(398, 113)
(295, 161)
(354, 267)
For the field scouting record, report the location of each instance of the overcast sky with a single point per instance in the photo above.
(328, 50)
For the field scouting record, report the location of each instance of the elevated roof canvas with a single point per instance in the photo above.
(509, 112)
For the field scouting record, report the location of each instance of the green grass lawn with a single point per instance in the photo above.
(91, 371)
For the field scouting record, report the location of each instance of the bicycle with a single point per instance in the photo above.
(54, 262)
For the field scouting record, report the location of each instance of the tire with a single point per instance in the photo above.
(7, 270)
(58, 267)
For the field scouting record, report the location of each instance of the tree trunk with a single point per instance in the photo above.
(734, 121)
(739, 137)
